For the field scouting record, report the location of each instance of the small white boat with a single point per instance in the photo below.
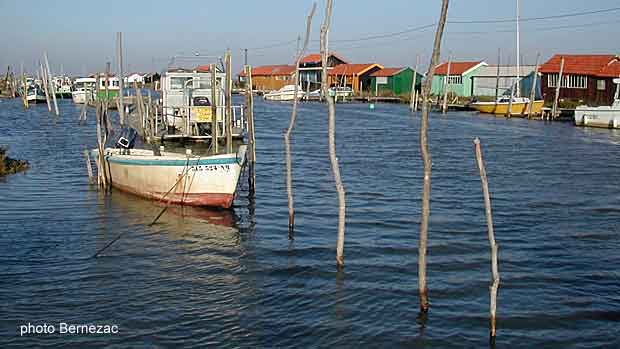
(286, 93)
(342, 91)
(35, 94)
(83, 87)
(62, 85)
(605, 116)
(176, 178)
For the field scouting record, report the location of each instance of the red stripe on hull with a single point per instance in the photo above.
(190, 199)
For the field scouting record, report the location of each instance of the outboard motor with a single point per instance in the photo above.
(127, 140)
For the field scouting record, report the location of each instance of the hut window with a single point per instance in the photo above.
(600, 85)
(455, 80)
(568, 81)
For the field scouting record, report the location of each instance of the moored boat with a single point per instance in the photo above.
(286, 93)
(604, 116)
(83, 87)
(176, 178)
(35, 94)
(520, 106)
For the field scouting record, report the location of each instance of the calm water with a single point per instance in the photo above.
(205, 278)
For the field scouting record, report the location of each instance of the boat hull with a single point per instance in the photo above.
(79, 97)
(209, 181)
(603, 117)
(502, 108)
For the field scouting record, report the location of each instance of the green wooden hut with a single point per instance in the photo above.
(396, 81)
(459, 82)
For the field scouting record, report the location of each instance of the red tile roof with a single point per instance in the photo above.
(316, 58)
(598, 65)
(388, 71)
(350, 69)
(456, 68)
(611, 70)
(271, 70)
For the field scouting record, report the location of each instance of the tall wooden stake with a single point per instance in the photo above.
(289, 131)
(229, 111)
(52, 87)
(499, 58)
(414, 93)
(45, 87)
(331, 107)
(444, 108)
(530, 108)
(554, 112)
(426, 156)
(494, 247)
(214, 103)
(249, 105)
(121, 82)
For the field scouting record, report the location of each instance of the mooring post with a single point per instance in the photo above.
(331, 109)
(530, 111)
(89, 167)
(512, 95)
(289, 131)
(214, 103)
(52, 87)
(491, 233)
(426, 157)
(249, 104)
(444, 108)
(45, 87)
(229, 111)
(554, 112)
(121, 82)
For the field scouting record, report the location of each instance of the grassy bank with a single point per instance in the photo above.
(10, 166)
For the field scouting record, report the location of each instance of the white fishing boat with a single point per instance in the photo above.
(604, 116)
(62, 85)
(35, 94)
(176, 178)
(83, 87)
(286, 93)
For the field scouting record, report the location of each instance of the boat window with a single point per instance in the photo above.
(201, 101)
(178, 82)
(204, 83)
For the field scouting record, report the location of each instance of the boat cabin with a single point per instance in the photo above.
(188, 93)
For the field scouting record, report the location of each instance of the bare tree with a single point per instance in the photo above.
(331, 107)
(289, 131)
(426, 156)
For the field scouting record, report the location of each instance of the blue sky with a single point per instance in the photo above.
(80, 35)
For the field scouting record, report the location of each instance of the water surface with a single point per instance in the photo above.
(203, 278)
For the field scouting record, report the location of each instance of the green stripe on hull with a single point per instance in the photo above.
(178, 163)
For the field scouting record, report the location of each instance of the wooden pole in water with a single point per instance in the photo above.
(331, 107)
(25, 92)
(499, 57)
(249, 104)
(229, 111)
(214, 130)
(121, 82)
(554, 112)
(52, 87)
(45, 87)
(530, 111)
(494, 246)
(446, 85)
(512, 94)
(426, 156)
(414, 92)
(89, 166)
(289, 131)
